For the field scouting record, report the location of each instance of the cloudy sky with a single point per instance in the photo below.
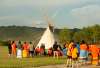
(62, 13)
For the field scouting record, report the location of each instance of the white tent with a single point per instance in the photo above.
(47, 38)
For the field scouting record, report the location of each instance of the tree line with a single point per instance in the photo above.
(89, 34)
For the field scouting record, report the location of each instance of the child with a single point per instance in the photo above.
(74, 56)
(69, 54)
(64, 49)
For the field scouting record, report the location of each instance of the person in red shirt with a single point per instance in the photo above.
(50, 51)
(42, 49)
(37, 50)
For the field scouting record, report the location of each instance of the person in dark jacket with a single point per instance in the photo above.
(9, 48)
(55, 50)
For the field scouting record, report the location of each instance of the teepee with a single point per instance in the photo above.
(47, 38)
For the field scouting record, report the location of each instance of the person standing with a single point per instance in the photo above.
(78, 47)
(83, 52)
(9, 48)
(42, 49)
(31, 49)
(55, 50)
(64, 49)
(69, 54)
(25, 49)
(13, 48)
(74, 56)
(95, 54)
(19, 50)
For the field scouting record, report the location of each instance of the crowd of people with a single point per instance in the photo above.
(82, 53)
(27, 49)
(20, 50)
(75, 51)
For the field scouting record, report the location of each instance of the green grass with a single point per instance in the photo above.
(13, 62)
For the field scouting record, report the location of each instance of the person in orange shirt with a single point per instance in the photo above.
(83, 52)
(25, 49)
(95, 54)
(13, 48)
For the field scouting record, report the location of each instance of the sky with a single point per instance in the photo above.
(62, 13)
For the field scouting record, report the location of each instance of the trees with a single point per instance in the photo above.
(88, 31)
(64, 35)
(80, 35)
(89, 34)
(96, 33)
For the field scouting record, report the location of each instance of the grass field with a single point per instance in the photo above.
(13, 62)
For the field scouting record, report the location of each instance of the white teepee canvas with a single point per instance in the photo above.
(47, 39)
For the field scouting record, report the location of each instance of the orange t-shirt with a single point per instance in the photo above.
(94, 50)
(37, 49)
(83, 47)
(13, 46)
(25, 46)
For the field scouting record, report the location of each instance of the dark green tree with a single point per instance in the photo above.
(80, 35)
(64, 35)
